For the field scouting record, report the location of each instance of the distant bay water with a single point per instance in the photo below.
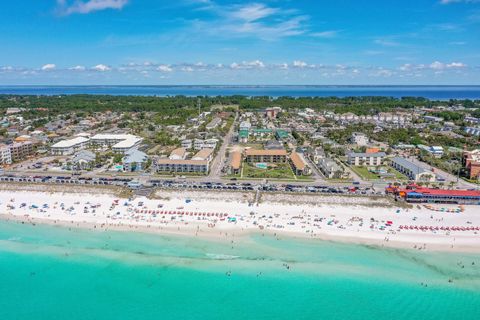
(429, 92)
(60, 273)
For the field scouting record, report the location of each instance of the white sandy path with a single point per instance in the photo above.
(325, 221)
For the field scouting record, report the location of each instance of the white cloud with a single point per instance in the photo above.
(78, 68)
(83, 7)
(164, 68)
(252, 19)
(325, 34)
(48, 67)
(187, 69)
(456, 65)
(253, 12)
(386, 42)
(299, 64)
(101, 68)
(255, 64)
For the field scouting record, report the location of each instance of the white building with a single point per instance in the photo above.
(187, 144)
(413, 171)
(330, 168)
(193, 166)
(359, 139)
(366, 159)
(5, 155)
(120, 143)
(199, 144)
(245, 125)
(68, 147)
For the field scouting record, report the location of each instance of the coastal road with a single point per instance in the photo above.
(217, 163)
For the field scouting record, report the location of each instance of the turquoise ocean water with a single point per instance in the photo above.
(56, 273)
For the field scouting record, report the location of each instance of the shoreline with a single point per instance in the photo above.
(306, 217)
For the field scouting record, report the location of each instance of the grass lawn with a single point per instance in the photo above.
(281, 171)
(367, 175)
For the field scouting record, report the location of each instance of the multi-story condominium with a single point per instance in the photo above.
(21, 150)
(366, 159)
(236, 162)
(68, 147)
(199, 144)
(187, 144)
(188, 166)
(471, 161)
(269, 156)
(412, 171)
(299, 164)
(5, 154)
(120, 143)
(330, 168)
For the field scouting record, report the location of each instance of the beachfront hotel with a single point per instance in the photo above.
(183, 166)
(412, 171)
(268, 156)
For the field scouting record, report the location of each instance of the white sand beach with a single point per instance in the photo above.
(227, 214)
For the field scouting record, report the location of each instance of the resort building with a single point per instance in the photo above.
(5, 155)
(199, 144)
(366, 159)
(418, 194)
(21, 150)
(83, 160)
(299, 165)
(187, 166)
(120, 143)
(330, 168)
(178, 154)
(435, 151)
(268, 156)
(68, 147)
(473, 131)
(471, 161)
(236, 162)
(204, 155)
(272, 113)
(412, 171)
(134, 160)
(187, 144)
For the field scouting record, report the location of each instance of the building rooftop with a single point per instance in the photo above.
(178, 152)
(236, 161)
(408, 165)
(203, 154)
(180, 162)
(297, 161)
(364, 154)
(70, 142)
(135, 156)
(256, 152)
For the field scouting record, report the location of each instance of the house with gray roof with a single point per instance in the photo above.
(134, 160)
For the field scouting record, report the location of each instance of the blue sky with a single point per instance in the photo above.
(240, 42)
